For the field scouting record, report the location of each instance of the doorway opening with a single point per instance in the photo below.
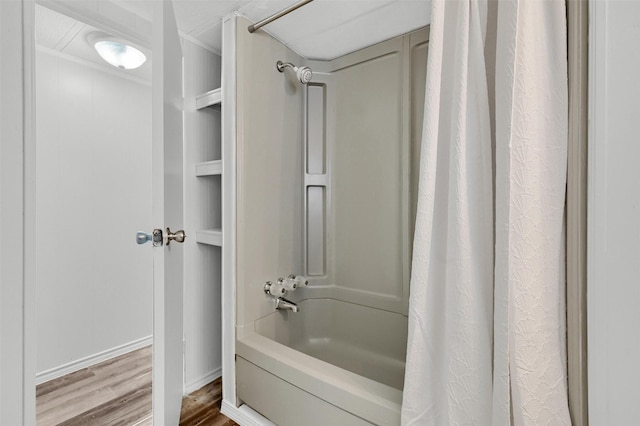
(93, 192)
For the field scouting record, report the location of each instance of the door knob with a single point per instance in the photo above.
(156, 237)
(142, 237)
(178, 237)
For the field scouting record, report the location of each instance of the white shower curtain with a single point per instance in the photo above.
(485, 349)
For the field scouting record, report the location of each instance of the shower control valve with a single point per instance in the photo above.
(274, 289)
(289, 283)
(300, 280)
(293, 282)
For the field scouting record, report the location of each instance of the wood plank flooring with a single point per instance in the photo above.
(114, 392)
(202, 407)
(117, 392)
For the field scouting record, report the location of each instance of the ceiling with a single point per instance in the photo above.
(326, 29)
(322, 29)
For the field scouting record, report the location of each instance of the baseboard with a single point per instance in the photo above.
(244, 415)
(194, 385)
(90, 360)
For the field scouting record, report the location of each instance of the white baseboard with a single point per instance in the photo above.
(196, 384)
(244, 415)
(90, 360)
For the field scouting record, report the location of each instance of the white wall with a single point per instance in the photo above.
(614, 214)
(94, 283)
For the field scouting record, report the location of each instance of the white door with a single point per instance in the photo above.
(167, 212)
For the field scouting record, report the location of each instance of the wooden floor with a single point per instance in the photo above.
(118, 392)
(202, 407)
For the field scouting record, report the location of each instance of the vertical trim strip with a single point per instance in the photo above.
(229, 210)
(597, 203)
(29, 235)
(578, 35)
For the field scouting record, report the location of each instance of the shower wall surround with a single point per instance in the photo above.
(362, 140)
(269, 177)
(327, 173)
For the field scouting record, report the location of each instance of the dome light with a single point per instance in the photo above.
(116, 52)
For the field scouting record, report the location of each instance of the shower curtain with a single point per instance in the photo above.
(486, 342)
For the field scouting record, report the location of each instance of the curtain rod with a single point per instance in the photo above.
(278, 15)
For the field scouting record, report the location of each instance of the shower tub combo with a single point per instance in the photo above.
(327, 190)
(347, 359)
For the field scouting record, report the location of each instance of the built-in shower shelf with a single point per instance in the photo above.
(209, 168)
(212, 237)
(209, 99)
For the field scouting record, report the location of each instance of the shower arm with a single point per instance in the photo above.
(278, 15)
(282, 65)
(304, 74)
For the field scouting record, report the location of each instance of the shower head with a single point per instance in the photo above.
(303, 74)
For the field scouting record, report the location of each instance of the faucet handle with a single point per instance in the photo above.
(276, 290)
(290, 283)
(300, 280)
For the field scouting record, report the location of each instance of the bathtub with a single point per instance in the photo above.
(331, 363)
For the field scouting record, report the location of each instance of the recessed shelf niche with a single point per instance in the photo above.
(211, 172)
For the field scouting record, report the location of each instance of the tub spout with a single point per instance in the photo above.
(286, 305)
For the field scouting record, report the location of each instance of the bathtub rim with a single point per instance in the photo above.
(348, 391)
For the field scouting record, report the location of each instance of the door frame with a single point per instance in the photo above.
(18, 299)
(17, 221)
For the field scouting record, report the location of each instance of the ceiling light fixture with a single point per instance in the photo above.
(117, 52)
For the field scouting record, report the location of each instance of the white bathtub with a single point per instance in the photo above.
(332, 363)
